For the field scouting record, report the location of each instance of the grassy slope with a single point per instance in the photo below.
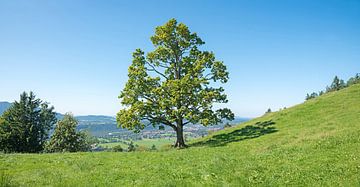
(316, 143)
(148, 143)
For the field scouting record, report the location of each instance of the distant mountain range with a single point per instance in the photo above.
(4, 106)
(90, 118)
(100, 125)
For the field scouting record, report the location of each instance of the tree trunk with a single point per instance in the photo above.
(180, 143)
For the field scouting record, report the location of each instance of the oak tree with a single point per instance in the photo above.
(175, 84)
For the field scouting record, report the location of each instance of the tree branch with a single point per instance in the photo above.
(160, 120)
(153, 69)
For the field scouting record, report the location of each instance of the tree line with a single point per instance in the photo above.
(25, 128)
(336, 85)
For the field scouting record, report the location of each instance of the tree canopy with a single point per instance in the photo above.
(175, 84)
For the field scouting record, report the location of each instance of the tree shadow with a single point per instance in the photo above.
(247, 132)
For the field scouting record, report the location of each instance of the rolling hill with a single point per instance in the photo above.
(101, 125)
(316, 143)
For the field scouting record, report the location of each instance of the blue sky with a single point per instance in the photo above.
(75, 54)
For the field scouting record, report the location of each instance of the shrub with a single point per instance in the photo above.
(117, 148)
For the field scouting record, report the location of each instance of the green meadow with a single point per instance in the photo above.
(148, 143)
(316, 143)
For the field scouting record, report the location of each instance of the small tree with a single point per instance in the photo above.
(227, 125)
(268, 111)
(342, 84)
(131, 147)
(174, 85)
(336, 85)
(153, 148)
(26, 124)
(66, 138)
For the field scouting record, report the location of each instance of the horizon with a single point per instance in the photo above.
(75, 55)
(114, 116)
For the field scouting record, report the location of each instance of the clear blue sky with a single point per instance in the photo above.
(74, 54)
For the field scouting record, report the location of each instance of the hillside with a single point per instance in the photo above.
(312, 144)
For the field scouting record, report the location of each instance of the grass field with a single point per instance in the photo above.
(312, 144)
(148, 143)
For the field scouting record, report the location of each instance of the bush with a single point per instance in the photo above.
(153, 148)
(117, 148)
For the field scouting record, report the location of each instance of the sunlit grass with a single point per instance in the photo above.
(148, 143)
